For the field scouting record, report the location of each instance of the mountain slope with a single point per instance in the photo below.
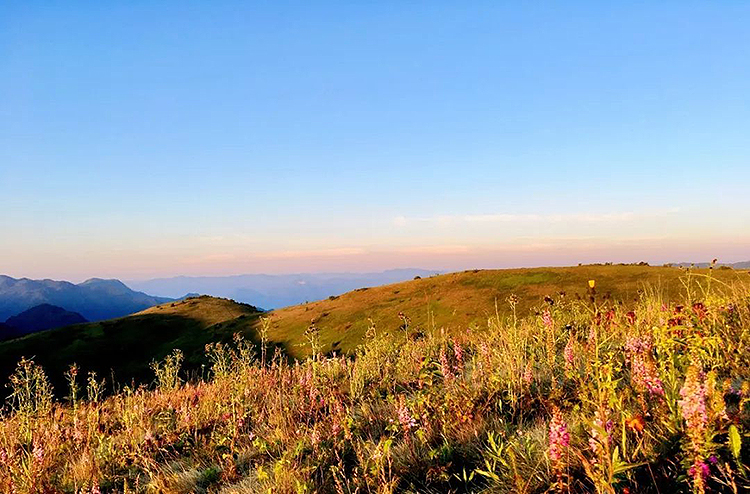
(94, 299)
(453, 301)
(457, 301)
(43, 317)
(127, 345)
(273, 291)
(6, 332)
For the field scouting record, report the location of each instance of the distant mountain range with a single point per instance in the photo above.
(29, 306)
(274, 291)
(95, 299)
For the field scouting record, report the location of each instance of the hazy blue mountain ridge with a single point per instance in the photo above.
(94, 299)
(41, 318)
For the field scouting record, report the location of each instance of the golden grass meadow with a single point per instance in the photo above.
(570, 394)
(374, 247)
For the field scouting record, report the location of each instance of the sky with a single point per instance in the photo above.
(143, 139)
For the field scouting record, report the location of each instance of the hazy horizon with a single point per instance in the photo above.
(219, 138)
(360, 268)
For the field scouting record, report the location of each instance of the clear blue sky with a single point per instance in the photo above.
(156, 138)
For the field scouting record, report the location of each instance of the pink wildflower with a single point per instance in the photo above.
(592, 336)
(404, 416)
(699, 471)
(559, 438)
(445, 367)
(547, 319)
(569, 354)
(693, 406)
(693, 402)
(38, 453)
(528, 375)
(642, 368)
(458, 353)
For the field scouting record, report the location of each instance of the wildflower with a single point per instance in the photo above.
(675, 321)
(693, 406)
(700, 310)
(644, 375)
(642, 368)
(699, 471)
(404, 416)
(38, 453)
(610, 316)
(559, 438)
(569, 354)
(592, 284)
(528, 375)
(445, 367)
(635, 423)
(592, 335)
(458, 353)
(630, 317)
(693, 402)
(600, 431)
(547, 319)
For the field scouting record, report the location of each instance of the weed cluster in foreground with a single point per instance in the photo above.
(578, 397)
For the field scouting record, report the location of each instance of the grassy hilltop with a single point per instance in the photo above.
(453, 301)
(579, 396)
(457, 301)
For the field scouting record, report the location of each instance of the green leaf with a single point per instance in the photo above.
(735, 442)
(619, 466)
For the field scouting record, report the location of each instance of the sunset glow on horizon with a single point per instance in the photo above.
(329, 137)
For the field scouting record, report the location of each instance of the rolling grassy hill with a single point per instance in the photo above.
(452, 301)
(456, 301)
(518, 406)
(126, 346)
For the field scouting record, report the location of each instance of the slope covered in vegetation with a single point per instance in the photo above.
(125, 347)
(584, 396)
(457, 301)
